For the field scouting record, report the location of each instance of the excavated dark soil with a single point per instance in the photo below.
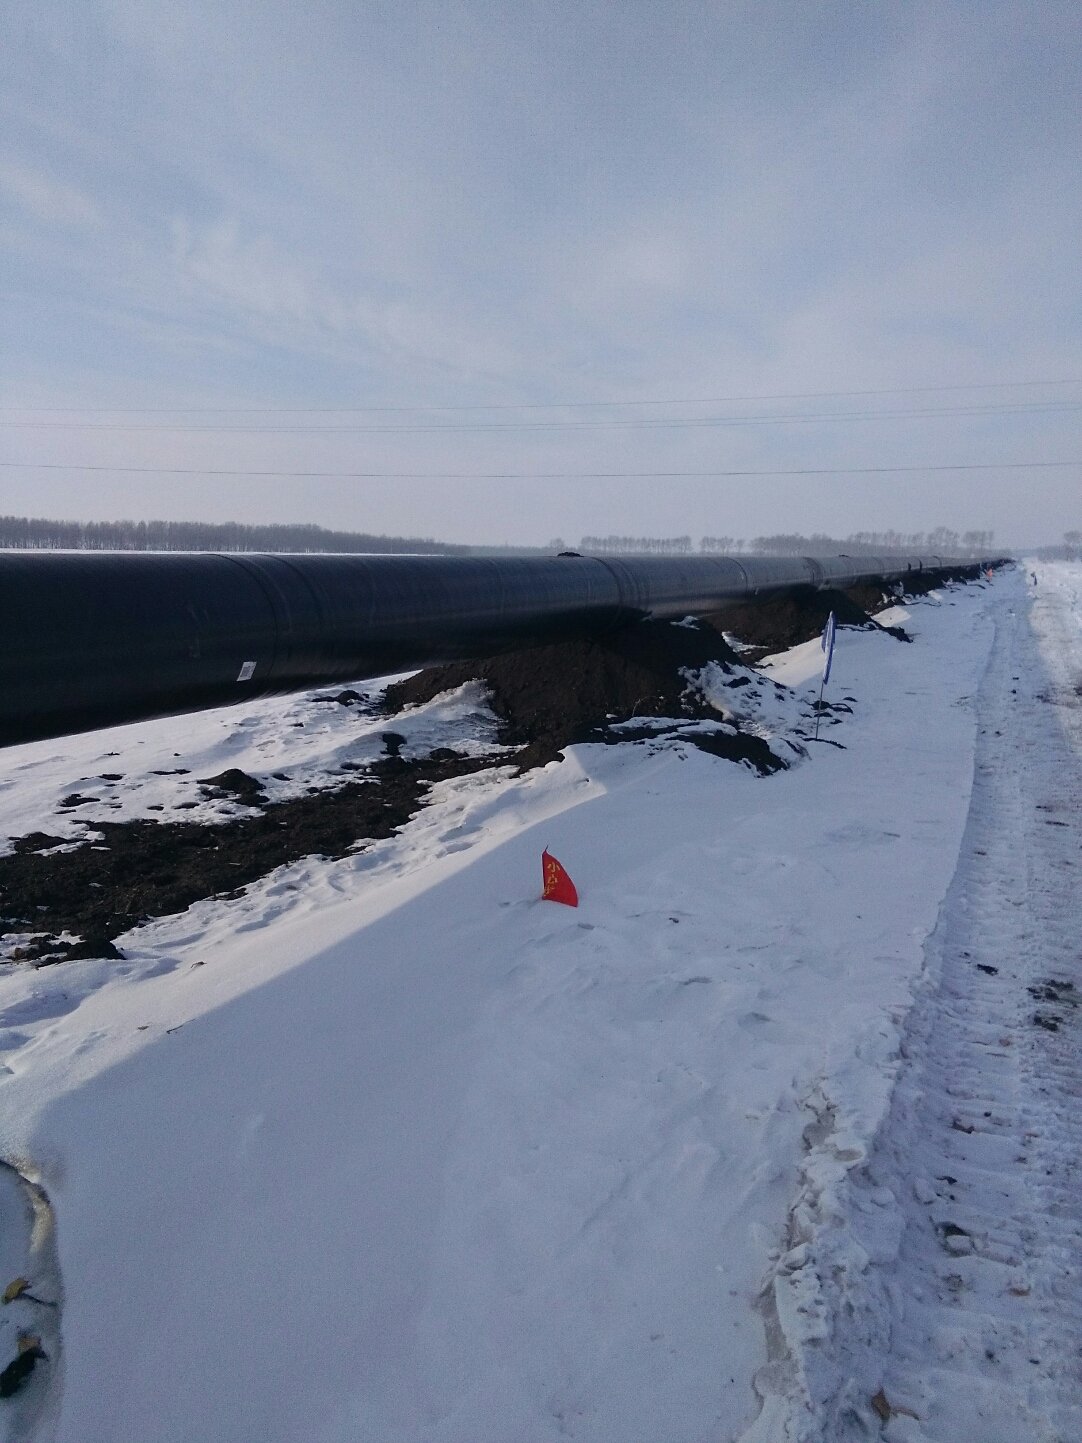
(552, 696)
(919, 583)
(144, 869)
(777, 622)
(546, 698)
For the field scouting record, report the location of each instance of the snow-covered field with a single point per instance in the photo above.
(388, 1150)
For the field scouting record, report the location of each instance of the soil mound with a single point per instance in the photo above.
(238, 784)
(869, 597)
(144, 869)
(919, 583)
(774, 623)
(548, 697)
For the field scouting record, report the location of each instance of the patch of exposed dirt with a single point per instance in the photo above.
(919, 583)
(144, 869)
(546, 698)
(722, 741)
(549, 697)
(235, 783)
(774, 623)
(870, 598)
(1055, 991)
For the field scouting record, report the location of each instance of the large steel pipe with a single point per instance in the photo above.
(92, 639)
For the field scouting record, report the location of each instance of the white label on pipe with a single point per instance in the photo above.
(247, 671)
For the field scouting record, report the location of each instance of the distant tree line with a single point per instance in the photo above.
(38, 534)
(1071, 549)
(647, 545)
(941, 541)
(34, 533)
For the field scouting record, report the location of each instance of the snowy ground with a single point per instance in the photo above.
(387, 1149)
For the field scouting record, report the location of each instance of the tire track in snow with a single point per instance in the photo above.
(933, 1293)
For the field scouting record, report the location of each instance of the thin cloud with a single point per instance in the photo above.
(44, 198)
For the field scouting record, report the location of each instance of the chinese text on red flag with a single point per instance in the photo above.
(558, 885)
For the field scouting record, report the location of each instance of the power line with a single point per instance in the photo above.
(536, 405)
(543, 475)
(651, 423)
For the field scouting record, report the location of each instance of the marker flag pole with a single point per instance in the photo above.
(827, 643)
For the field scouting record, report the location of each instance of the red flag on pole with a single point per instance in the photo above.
(558, 885)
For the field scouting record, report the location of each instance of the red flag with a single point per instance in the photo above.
(558, 885)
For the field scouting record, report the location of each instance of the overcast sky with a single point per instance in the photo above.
(276, 212)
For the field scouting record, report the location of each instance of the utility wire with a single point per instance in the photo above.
(653, 423)
(541, 475)
(534, 405)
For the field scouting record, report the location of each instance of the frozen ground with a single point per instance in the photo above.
(941, 1270)
(387, 1149)
(155, 770)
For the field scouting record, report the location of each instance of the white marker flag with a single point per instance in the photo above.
(828, 645)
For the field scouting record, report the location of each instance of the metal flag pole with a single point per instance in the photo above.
(827, 643)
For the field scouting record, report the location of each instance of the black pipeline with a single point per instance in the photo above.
(93, 639)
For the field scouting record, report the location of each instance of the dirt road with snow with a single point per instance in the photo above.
(952, 1271)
